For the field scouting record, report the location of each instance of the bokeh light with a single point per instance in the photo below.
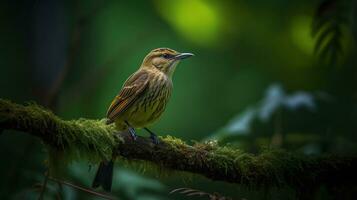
(197, 20)
(301, 33)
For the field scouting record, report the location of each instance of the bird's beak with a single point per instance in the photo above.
(182, 56)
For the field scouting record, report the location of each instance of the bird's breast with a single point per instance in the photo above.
(150, 106)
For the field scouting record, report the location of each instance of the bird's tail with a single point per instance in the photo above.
(104, 176)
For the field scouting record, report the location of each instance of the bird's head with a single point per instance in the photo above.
(164, 60)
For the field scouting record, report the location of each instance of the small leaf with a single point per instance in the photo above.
(330, 17)
(322, 37)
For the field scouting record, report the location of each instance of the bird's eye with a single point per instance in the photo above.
(167, 56)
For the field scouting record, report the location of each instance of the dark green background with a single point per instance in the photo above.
(73, 56)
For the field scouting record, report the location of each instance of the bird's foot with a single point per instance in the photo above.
(153, 136)
(132, 133)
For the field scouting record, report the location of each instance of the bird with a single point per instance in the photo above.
(141, 101)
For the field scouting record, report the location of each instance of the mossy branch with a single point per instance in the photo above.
(271, 168)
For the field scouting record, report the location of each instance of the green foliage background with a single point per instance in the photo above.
(73, 56)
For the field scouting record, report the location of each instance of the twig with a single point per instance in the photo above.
(44, 185)
(83, 189)
(60, 190)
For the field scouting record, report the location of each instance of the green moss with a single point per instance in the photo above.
(94, 140)
(89, 138)
(82, 138)
(173, 141)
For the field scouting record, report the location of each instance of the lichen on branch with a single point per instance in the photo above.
(94, 140)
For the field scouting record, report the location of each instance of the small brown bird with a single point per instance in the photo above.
(141, 101)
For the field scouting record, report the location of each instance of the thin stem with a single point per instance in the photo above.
(43, 189)
(83, 189)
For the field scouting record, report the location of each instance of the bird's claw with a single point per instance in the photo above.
(132, 133)
(154, 138)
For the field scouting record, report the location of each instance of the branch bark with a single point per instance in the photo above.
(94, 139)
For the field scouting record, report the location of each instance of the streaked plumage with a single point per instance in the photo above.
(141, 101)
(145, 94)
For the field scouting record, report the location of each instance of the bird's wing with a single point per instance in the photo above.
(133, 88)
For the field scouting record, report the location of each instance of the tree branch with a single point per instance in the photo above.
(95, 140)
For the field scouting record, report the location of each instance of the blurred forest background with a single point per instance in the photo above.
(267, 74)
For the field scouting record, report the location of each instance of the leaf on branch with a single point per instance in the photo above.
(331, 18)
